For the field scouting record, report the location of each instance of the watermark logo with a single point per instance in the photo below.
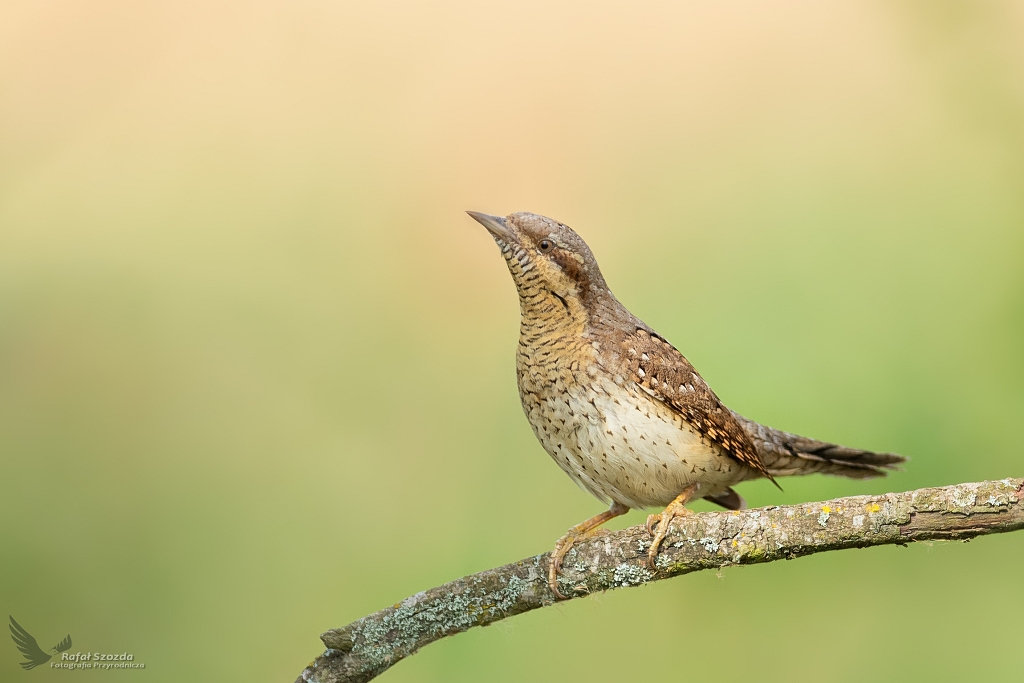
(29, 648)
(34, 655)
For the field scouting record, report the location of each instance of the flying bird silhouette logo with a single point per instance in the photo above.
(28, 646)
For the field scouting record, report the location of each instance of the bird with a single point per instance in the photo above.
(29, 648)
(621, 410)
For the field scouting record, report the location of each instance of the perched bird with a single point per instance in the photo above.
(620, 410)
(29, 648)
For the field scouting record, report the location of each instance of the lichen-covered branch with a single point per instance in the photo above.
(365, 648)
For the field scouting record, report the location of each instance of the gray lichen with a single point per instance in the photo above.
(710, 544)
(630, 575)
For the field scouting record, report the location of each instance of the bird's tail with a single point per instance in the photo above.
(786, 454)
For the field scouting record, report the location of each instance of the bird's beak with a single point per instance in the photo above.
(496, 225)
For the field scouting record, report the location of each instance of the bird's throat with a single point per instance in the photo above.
(548, 314)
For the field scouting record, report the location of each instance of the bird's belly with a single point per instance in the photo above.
(622, 446)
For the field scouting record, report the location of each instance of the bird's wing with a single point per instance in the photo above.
(64, 644)
(27, 645)
(663, 373)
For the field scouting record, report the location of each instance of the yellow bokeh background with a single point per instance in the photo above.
(257, 367)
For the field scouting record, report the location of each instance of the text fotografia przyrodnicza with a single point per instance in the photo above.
(97, 660)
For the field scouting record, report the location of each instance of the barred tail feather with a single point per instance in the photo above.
(786, 454)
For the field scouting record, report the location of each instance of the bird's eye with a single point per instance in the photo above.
(546, 246)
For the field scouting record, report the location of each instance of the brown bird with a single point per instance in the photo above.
(620, 410)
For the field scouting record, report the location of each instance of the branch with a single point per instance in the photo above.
(367, 647)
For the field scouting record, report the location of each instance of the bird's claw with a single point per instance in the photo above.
(581, 530)
(652, 522)
(557, 555)
(657, 526)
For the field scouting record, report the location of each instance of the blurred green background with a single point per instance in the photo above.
(257, 367)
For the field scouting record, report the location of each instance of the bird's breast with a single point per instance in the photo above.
(612, 440)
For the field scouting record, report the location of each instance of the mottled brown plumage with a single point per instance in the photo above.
(620, 409)
(665, 374)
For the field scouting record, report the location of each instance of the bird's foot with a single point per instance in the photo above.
(576, 533)
(658, 523)
(557, 555)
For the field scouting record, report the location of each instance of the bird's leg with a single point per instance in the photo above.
(571, 536)
(677, 508)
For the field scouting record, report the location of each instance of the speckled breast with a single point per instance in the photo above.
(611, 439)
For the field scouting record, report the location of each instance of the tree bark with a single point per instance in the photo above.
(367, 647)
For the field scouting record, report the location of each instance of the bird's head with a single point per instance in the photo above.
(546, 257)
